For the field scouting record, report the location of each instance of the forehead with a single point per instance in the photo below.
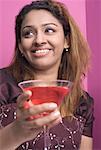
(40, 16)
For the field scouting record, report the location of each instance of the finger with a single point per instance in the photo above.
(45, 120)
(45, 107)
(52, 119)
(36, 110)
(22, 98)
(55, 122)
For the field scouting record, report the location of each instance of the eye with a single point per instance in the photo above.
(49, 30)
(28, 34)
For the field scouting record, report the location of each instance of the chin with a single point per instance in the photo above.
(42, 67)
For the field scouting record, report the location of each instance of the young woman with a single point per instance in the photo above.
(49, 46)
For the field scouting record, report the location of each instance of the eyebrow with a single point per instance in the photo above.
(46, 24)
(49, 24)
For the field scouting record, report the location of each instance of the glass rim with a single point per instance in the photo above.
(42, 81)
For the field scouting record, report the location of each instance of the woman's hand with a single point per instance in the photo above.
(23, 128)
(29, 128)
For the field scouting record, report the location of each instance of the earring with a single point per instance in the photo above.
(22, 54)
(66, 49)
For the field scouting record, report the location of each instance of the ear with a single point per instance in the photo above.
(20, 48)
(67, 43)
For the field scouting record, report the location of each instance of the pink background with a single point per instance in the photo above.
(87, 14)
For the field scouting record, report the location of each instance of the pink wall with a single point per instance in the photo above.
(86, 13)
(93, 9)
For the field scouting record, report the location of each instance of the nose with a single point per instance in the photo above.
(40, 38)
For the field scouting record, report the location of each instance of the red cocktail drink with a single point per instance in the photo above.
(46, 91)
(41, 95)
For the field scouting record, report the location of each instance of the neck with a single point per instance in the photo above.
(46, 75)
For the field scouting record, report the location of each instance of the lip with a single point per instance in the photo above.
(37, 49)
(40, 52)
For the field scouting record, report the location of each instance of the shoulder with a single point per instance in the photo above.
(3, 71)
(4, 75)
(9, 89)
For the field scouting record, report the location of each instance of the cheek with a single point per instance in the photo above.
(60, 45)
(26, 44)
(60, 41)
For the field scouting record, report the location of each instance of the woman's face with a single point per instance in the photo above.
(42, 39)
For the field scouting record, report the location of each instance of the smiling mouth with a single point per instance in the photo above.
(40, 51)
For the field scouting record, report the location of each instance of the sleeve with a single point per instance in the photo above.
(85, 109)
(9, 90)
(7, 114)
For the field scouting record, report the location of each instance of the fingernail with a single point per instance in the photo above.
(52, 105)
(29, 93)
(57, 113)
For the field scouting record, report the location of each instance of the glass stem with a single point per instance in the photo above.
(47, 140)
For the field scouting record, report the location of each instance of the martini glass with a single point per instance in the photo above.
(45, 92)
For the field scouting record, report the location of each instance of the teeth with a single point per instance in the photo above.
(41, 51)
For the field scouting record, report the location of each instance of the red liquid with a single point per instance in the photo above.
(41, 95)
(54, 94)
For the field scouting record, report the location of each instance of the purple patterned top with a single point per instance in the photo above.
(64, 136)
